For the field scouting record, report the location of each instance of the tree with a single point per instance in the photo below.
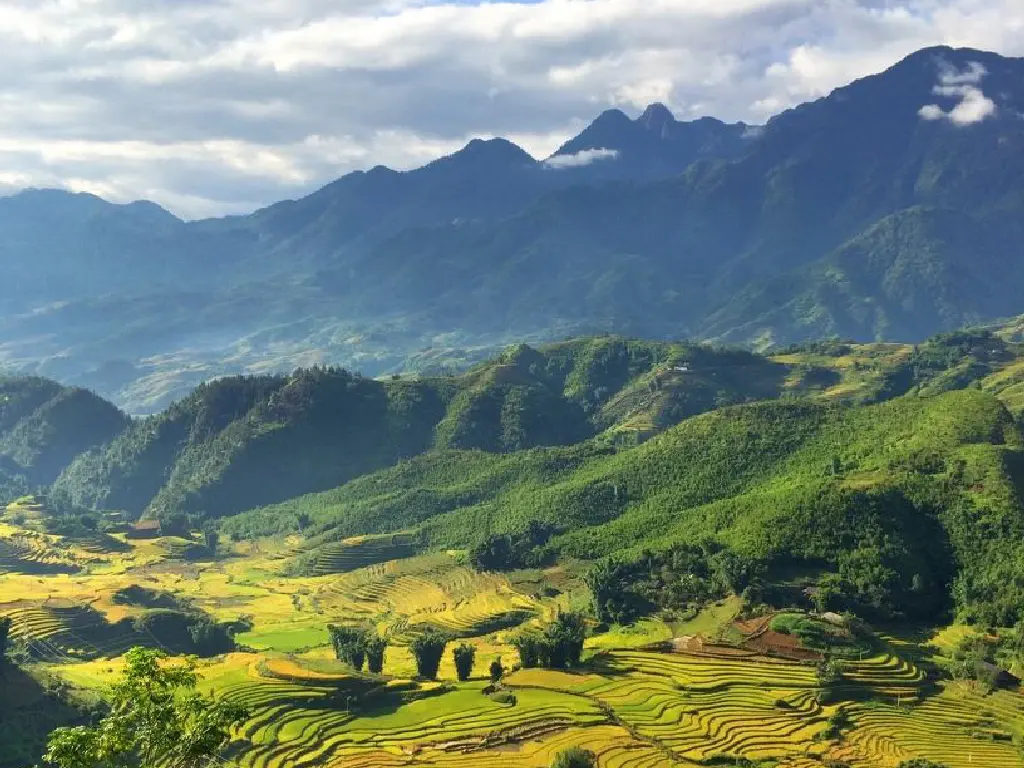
(211, 539)
(156, 718)
(428, 648)
(496, 671)
(375, 647)
(5, 633)
(564, 641)
(530, 648)
(349, 645)
(575, 757)
(920, 762)
(464, 656)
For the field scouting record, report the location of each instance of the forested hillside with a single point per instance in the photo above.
(242, 442)
(44, 426)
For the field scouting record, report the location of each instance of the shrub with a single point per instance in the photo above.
(464, 656)
(575, 757)
(428, 648)
(504, 697)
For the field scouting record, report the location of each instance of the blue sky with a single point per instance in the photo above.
(218, 106)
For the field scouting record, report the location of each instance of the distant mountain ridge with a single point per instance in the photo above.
(891, 208)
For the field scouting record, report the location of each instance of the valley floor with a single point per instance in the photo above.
(634, 703)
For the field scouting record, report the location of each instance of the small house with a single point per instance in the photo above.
(144, 529)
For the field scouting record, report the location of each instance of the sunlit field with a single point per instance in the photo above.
(659, 693)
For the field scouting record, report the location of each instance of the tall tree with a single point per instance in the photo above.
(375, 647)
(156, 718)
(428, 649)
(464, 656)
(5, 633)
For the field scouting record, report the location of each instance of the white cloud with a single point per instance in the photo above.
(213, 106)
(973, 105)
(581, 158)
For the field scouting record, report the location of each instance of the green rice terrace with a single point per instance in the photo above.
(665, 555)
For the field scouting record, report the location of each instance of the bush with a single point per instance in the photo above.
(464, 656)
(428, 649)
(575, 757)
(504, 697)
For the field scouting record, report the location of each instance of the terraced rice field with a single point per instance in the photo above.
(63, 631)
(352, 554)
(634, 707)
(32, 553)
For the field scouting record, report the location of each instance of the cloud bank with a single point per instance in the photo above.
(219, 106)
(581, 158)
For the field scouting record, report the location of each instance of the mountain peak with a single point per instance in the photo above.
(496, 150)
(656, 117)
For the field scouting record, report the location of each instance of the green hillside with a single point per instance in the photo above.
(242, 442)
(44, 426)
(892, 496)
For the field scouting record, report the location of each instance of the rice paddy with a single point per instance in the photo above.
(645, 698)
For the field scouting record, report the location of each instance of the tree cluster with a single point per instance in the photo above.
(357, 646)
(559, 646)
(509, 551)
(428, 648)
(625, 590)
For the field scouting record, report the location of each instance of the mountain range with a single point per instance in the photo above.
(890, 209)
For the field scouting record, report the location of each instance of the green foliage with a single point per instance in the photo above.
(531, 649)
(757, 480)
(44, 426)
(5, 633)
(504, 697)
(920, 762)
(350, 644)
(376, 647)
(428, 648)
(185, 631)
(496, 671)
(559, 646)
(829, 672)
(156, 718)
(464, 656)
(145, 598)
(575, 757)
(506, 552)
(626, 589)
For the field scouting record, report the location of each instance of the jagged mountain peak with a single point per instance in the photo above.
(656, 117)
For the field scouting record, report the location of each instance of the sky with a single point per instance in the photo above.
(211, 107)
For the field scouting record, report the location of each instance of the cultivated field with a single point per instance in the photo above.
(633, 705)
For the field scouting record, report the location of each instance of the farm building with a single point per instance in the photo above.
(144, 529)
